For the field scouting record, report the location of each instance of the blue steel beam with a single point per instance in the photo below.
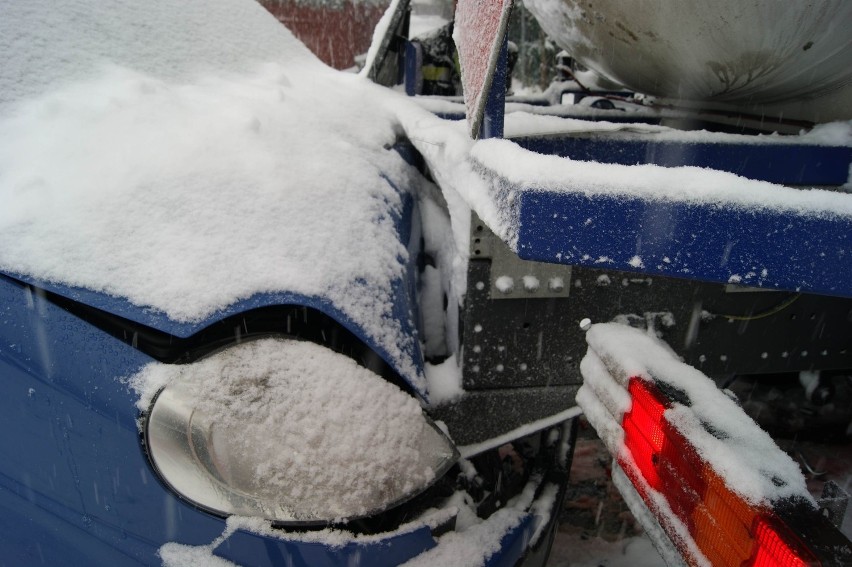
(783, 163)
(495, 106)
(765, 247)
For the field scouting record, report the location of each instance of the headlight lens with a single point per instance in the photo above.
(290, 431)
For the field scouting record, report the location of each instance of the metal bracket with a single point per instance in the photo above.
(512, 277)
(833, 502)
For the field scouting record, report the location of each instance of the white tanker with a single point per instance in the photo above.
(790, 59)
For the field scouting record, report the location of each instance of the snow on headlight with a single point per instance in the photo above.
(289, 431)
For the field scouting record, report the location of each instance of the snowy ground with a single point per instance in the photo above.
(572, 550)
(597, 528)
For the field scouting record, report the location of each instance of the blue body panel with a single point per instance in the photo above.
(75, 485)
(786, 164)
(762, 248)
(412, 65)
(267, 552)
(513, 544)
(495, 103)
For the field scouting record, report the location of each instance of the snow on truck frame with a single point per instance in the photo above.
(258, 312)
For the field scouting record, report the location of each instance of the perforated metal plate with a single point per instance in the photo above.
(522, 339)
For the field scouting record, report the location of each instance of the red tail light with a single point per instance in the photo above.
(725, 528)
(643, 429)
(771, 550)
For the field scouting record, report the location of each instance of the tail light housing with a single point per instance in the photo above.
(722, 491)
(726, 529)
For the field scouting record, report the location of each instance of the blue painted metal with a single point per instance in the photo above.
(784, 163)
(75, 486)
(495, 104)
(514, 544)
(413, 67)
(755, 247)
(268, 552)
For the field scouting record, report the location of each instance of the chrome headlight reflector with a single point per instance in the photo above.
(292, 432)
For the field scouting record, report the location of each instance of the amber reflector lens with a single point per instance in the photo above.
(733, 517)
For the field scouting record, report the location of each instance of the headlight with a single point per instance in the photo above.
(292, 432)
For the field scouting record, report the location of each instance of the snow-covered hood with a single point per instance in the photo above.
(178, 162)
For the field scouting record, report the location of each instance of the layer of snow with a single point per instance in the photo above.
(421, 25)
(489, 175)
(186, 183)
(504, 284)
(556, 109)
(176, 554)
(447, 281)
(294, 423)
(664, 526)
(607, 428)
(543, 508)
(441, 105)
(531, 283)
(607, 391)
(181, 555)
(46, 44)
(470, 545)
(468, 451)
(446, 148)
(474, 544)
(636, 262)
(523, 119)
(525, 123)
(831, 134)
(379, 33)
(444, 381)
(682, 184)
(653, 530)
(336, 538)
